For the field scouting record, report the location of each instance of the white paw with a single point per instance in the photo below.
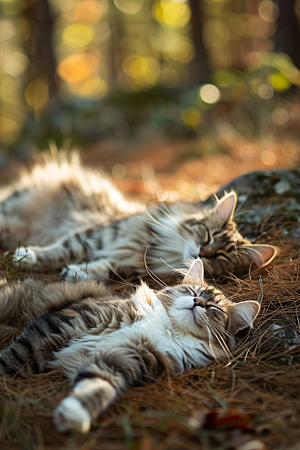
(74, 273)
(24, 255)
(70, 415)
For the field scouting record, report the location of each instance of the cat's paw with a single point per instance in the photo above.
(24, 255)
(70, 415)
(74, 273)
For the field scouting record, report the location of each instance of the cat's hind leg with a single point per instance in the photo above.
(97, 385)
(92, 394)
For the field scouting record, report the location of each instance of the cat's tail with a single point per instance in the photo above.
(23, 300)
(20, 302)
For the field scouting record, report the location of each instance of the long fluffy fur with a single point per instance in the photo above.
(105, 343)
(70, 215)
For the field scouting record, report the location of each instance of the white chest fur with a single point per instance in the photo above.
(155, 326)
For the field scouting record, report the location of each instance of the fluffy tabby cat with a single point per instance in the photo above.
(105, 344)
(74, 219)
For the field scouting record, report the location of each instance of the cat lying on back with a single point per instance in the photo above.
(74, 217)
(105, 344)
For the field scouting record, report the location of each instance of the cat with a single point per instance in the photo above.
(105, 344)
(73, 219)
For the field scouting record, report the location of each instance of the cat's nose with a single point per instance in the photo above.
(207, 252)
(199, 302)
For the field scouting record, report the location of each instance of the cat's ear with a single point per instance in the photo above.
(226, 206)
(195, 271)
(243, 314)
(261, 254)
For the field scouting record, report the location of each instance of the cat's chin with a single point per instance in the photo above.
(199, 315)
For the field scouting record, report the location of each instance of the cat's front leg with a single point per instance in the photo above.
(72, 249)
(95, 270)
(94, 390)
(74, 272)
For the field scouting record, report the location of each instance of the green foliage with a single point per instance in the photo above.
(253, 102)
(9, 261)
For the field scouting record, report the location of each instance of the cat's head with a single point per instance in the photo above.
(200, 310)
(211, 234)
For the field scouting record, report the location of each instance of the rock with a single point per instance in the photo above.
(268, 202)
(266, 199)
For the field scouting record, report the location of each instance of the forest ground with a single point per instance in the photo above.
(251, 403)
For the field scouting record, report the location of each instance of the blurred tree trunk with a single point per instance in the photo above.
(39, 49)
(200, 65)
(288, 37)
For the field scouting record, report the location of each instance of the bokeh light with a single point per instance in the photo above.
(210, 94)
(89, 11)
(191, 117)
(74, 68)
(265, 91)
(129, 6)
(268, 11)
(36, 93)
(279, 82)
(137, 45)
(144, 71)
(171, 13)
(77, 35)
(9, 130)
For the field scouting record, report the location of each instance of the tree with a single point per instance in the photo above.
(287, 37)
(40, 51)
(200, 65)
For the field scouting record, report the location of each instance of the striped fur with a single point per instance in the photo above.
(74, 217)
(105, 344)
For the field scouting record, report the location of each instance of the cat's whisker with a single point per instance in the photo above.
(182, 270)
(236, 254)
(150, 273)
(174, 220)
(126, 283)
(219, 327)
(182, 251)
(179, 271)
(240, 213)
(169, 265)
(237, 211)
(210, 341)
(219, 337)
(163, 226)
(222, 344)
(157, 222)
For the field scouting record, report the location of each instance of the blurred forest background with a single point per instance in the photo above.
(209, 87)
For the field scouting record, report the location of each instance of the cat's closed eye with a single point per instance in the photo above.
(205, 233)
(215, 308)
(221, 254)
(191, 291)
